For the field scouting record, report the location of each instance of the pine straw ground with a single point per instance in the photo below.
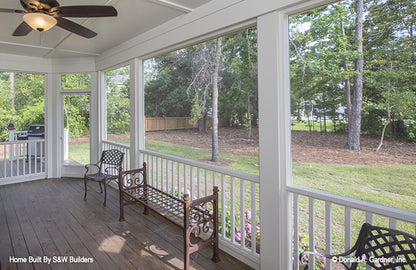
(306, 147)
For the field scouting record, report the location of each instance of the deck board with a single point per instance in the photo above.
(50, 218)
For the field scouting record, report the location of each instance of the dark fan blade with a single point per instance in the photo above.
(52, 3)
(22, 30)
(7, 10)
(75, 28)
(85, 11)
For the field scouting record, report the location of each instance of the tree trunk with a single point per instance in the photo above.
(354, 120)
(347, 81)
(202, 122)
(11, 79)
(215, 151)
(248, 116)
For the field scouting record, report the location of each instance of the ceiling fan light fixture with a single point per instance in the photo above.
(39, 21)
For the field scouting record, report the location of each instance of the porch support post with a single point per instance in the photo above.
(53, 125)
(275, 150)
(136, 112)
(102, 111)
(94, 112)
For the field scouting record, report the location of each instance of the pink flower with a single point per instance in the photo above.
(238, 236)
(248, 228)
(248, 214)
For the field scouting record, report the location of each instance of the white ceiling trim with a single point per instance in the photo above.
(173, 5)
(47, 48)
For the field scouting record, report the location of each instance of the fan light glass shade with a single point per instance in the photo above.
(39, 21)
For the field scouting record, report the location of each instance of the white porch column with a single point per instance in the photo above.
(53, 125)
(136, 112)
(94, 113)
(102, 111)
(275, 150)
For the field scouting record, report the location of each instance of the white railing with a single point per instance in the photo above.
(107, 145)
(239, 198)
(325, 214)
(22, 158)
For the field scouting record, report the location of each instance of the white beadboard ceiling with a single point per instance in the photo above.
(134, 17)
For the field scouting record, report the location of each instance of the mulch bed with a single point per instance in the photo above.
(306, 147)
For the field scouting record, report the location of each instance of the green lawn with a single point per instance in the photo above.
(314, 125)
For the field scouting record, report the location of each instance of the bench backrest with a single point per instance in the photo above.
(133, 178)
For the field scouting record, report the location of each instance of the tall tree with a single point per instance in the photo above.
(215, 75)
(354, 118)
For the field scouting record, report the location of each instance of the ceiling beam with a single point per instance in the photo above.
(173, 5)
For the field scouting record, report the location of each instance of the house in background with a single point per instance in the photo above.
(147, 28)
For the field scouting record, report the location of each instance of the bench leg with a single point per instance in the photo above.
(121, 207)
(146, 210)
(186, 255)
(215, 257)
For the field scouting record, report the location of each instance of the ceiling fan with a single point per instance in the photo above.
(41, 15)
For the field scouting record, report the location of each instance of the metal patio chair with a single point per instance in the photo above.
(104, 171)
(378, 247)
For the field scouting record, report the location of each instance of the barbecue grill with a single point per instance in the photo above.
(34, 132)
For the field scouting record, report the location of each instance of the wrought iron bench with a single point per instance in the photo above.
(378, 247)
(198, 218)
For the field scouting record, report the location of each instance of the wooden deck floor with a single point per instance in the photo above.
(50, 219)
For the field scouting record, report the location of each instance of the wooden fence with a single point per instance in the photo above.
(166, 123)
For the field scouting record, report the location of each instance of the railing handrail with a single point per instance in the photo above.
(117, 144)
(364, 206)
(246, 176)
(22, 141)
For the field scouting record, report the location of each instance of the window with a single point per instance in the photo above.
(118, 105)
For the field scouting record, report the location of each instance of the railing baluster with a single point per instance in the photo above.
(392, 223)
(18, 160)
(167, 176)
(253, 220)
(295, 230)
(35, 157)
(223, 217)
(328, 233)
(4, 161)
(191, 179)
(347, 215)
(185, 179)
(157, 172)
(198, 176)
(312, 231)
(179, 181)
(242, 214)
(162, 175)
(11, 164)
(369, 217)
(206, 183)
(18, 166)
(232, 209)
